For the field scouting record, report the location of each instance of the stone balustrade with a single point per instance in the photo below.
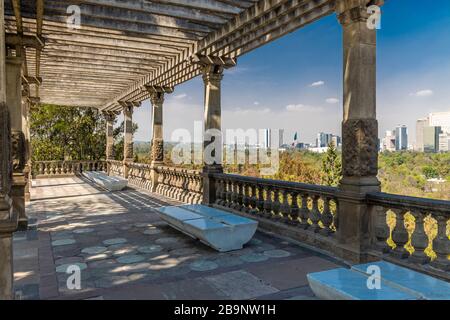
(412, 231)
(306, 212)
(180, 184)
(139, 175)
(115, 168)
(65, 168)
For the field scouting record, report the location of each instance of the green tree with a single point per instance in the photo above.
(331, 166)
(64, 133)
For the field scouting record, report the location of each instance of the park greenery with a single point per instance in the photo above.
(79, 134)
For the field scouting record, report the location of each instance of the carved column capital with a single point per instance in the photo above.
(109, 116)
(212, 67)
(349, 11)
(127, 108)
(157, 94)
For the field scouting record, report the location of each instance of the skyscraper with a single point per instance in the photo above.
(388, 143)
(420, 124)
(280, 137)
(267, 138)
(323, 139)
(440, 119)
(401, 138)
(431, 138)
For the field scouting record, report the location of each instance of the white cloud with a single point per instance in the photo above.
(256, 103)
(302, 107)
(180, 96)
(317, 83)
(332, 100)
(423, 93)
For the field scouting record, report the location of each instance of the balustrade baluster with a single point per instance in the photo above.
(260, 201)
(381, 230)
(268, 202)
(314, 214)
(294, 210)
(441, 245)
(285, 207)
(400, 236)
(326, 218)
(304, 212)
(276, 205)
(419, 239)
(246, 198)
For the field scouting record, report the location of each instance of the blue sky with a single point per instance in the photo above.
(295, 82)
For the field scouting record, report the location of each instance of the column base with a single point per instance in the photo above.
(361, 185)
(209, 183)
(18, 199)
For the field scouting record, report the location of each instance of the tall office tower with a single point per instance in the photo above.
(420, 124)
(431, 138)
(267, 138)
(440, 119)
(280, 137)
(401, 138)
(323, 139)
(388, 143)
(337, 141)
(444, 142)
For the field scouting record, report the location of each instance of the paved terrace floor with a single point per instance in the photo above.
(126, 252)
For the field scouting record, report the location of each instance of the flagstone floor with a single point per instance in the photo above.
(124, 251)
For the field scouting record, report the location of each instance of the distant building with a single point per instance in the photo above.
(420, 124)
(401, 138)
(440, 119)
(444, 142)
(431, 138)
(280, 137)
(267, 143)
(324, 139)
(388, 142)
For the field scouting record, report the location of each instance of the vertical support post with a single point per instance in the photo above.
(127, 136)
(8, 217)
(14, 102)
(157, 144)
(26, 131)
(212, 69)
(110, 118)
(359, 129)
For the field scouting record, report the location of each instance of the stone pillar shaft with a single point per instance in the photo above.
(212, 77)
(26, 131)
(359, 129)
(128, 133)
(8, 217)
(157, 152)
(14, 103)
(109, 117)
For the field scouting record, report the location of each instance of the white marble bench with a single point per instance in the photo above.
(218, 229)
(110, 183)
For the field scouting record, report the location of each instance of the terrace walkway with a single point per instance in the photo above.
(126, 252)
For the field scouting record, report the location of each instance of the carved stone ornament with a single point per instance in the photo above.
(18, 150)
(5, 155)
(158, 150)
(360, 147)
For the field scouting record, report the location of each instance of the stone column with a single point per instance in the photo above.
(8, 217)
(157, 145)
(127, 135)
(14, 102)
(212, 69)
(359, 128)
(26, 131)
(110, 118)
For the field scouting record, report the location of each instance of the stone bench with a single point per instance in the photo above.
(110, 183)
(218, 229)
(397, 283)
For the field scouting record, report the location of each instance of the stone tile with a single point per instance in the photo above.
(94, 250)
(238, 285)
(114, 241)
(203, 265)
(128, 259)
(290, 274)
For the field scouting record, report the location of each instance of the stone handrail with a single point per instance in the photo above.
(115, 168)
(65, 168)
(305, 212)
(180, 184)
(139, 175)
(413, 231)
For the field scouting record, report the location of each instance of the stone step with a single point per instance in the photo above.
(347, 284)
(110, 183)
(415, 283)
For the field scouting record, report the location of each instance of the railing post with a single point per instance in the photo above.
(359, 129)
